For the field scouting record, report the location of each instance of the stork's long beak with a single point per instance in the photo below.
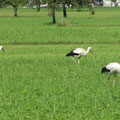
(3, 50)
(91, 51)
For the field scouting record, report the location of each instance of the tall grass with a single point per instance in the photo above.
(39, 82)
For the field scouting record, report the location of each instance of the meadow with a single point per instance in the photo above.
(33, 27)
(37, 81)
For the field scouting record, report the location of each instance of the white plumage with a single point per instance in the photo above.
(78, 52)
(111, 68)
(2, 49)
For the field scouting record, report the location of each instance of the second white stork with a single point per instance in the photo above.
(78, 52)
(111, 69)
(2, 49)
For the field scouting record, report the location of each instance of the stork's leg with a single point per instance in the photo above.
(78, 60)
(73, 59)
(108, 80)
(114, 80)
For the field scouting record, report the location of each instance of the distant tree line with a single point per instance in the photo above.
(53, 5)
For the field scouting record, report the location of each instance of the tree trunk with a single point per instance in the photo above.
(14, 7)
(54, 20)
(15, 11)
(64, 11)
(38, 8)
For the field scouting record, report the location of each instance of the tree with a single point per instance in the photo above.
(15, 4)
(84, 3)
(1, 3)
(64, 4)
(37, 3)
(115, 2)
(52, 5)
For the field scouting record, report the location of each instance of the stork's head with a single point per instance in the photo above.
(89, 49)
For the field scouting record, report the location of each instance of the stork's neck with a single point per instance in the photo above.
(87, 51)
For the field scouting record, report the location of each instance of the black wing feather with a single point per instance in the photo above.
(72, 53)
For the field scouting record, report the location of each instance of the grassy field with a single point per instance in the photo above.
(38, 84)
(33, 27)
(37, 81)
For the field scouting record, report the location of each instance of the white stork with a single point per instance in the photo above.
(111, 69)
(78, 52)
(2, 49)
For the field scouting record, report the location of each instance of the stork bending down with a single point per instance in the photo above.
(78, 52)
(111, 68)
(2, 49)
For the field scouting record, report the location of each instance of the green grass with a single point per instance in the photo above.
(33, 27)
(37, 81)
(38, 84)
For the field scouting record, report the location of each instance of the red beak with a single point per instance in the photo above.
(91, 51)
